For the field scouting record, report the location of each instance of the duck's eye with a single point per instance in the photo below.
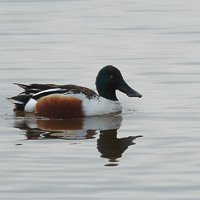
(111, 76)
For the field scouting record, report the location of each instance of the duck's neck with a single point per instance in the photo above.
(107, 94)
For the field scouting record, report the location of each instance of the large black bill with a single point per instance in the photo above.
(125, 88)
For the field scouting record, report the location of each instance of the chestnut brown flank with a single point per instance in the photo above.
(59, 106)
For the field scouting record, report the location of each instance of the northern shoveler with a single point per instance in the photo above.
(70, 101)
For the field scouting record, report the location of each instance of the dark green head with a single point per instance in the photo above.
(109, 79)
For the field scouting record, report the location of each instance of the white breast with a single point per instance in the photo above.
(100, 106)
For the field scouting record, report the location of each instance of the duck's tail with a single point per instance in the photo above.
(20, 101)
(34, 91)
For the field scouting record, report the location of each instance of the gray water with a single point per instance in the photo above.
(156, 46)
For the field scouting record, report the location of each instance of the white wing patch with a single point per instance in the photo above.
(50, 91)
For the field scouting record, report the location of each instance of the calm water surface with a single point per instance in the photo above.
(156, 45)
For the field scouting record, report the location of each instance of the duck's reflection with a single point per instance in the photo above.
(112, 147)
(108, 144)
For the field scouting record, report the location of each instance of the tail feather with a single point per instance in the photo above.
(21, 85)
(20, 101)
(35, 88)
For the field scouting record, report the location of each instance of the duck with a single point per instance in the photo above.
(74, 101)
